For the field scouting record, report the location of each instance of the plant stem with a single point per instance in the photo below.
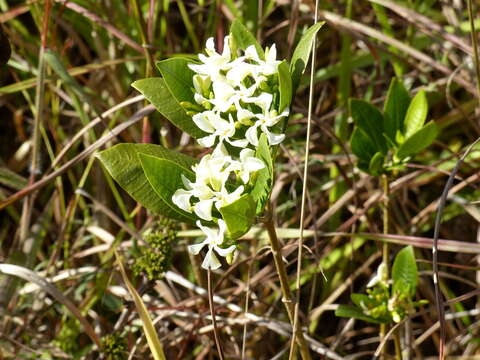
(286, 293)
(385, 257)
(212, 312)
(396, 341)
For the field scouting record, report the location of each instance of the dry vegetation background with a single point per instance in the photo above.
(61, 102)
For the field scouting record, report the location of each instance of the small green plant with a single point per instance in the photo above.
(387, 302)
(115, 347)
(156, 258)
(384, 142)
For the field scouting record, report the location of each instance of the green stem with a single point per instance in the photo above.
(385, 250)
(396, 341)
(286, 293)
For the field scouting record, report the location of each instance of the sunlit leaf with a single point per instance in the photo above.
(165, 177)
(155, 91)
(239, 216)
(418, 141)
(301, 54)
(404, 271)
(416, 114)
(124, 166)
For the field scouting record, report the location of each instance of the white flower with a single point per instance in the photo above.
(211, 175)
(265, 67)
(226, 95)
(213, 168)
(266, 119)
(211, 122)
(379, 277)
(224, 198)
(214, 63)
(215, 238)
(248, 163)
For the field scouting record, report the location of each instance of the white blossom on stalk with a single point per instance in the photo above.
(211, 122)
(265, 67)
(211, 175)
(266, 119)
(214, 63)
(214, 239)
(248, 164)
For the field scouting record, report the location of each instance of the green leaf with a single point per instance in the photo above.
(165, 177)
(404, 271)
(354, 312)
(395, 108)
(264, 181)
(302, 53)
(361, 145)
(123, 164)
(155, 91)
(418, 141)
(362, 300)
(239, 216)
(368, 118)
(285, 84)
(242, 38)
(416, 114)
(178, 77)
(375, 167)
(149, 329)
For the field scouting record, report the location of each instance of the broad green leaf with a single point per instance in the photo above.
(243, 38)
(404, 271)
(361, 145)
(178, 77)
(395, 108)
(375, 167)
(302, 53)
(416, 114)
(285, 84)
(155, 91)
(264, 181)
(368, 118)
(150, 333)
(418, 141)
(239, 216)
(123, 164)
(362, 300)
(165, 177)
(354, 312)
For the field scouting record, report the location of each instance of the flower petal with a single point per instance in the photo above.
(181, 198)
(196, 248)
(207, 141)
(203, 209)
(274, 139)
(202, 120)
(211, 261)
(252, 135)
(224, 252)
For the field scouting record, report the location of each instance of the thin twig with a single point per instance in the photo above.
(436, 235)
(212, 312)
(304, 190)
(282, 275)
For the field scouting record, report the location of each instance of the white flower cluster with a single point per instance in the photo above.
(236, 97)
